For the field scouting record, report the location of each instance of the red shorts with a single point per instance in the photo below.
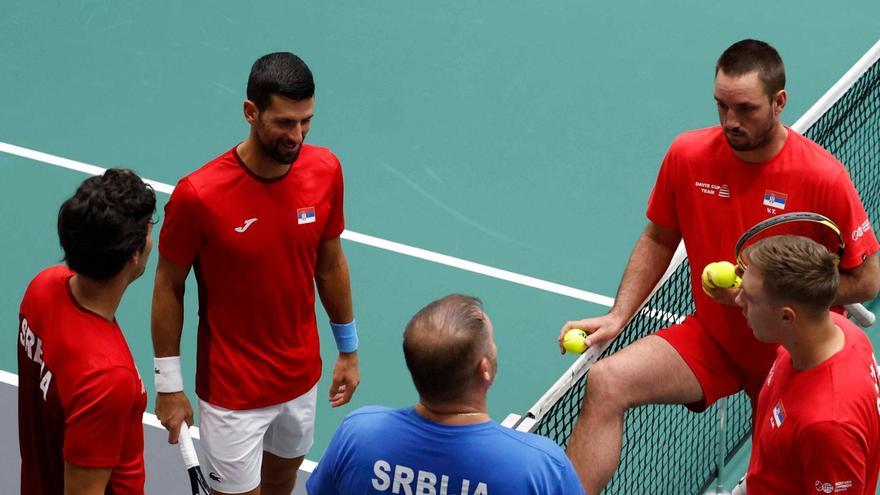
(719, 373)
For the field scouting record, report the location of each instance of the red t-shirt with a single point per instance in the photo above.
(713, 197)
(818, 431)
(80, 397)
(253, 244)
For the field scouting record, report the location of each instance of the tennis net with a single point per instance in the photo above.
(668, 449)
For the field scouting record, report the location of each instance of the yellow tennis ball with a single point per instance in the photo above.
(709, 268)
(575, 341)
(723, 274)
(737, 281)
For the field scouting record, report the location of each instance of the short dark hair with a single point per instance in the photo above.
(746, 56)
(280, 73)
(442, 345)
(796, 269)
(105, 223)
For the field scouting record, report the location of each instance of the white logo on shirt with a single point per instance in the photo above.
(721, 191)
(33, 347)
(840, 486)
(143, 389)
(403, 479)
(861, 230)
(247, 225)
(875, 375)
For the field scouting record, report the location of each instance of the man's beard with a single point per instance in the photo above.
(758, 141)
(276, 151)
(281, 156)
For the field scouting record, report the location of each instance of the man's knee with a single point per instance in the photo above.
(648, 371)
(605, 387)
(278, 471)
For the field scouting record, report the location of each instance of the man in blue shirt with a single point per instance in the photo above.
(446, 444)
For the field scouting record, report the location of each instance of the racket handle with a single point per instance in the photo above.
(861, 315)
(187, 450)
(740, 488)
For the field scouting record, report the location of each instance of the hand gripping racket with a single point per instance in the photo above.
(191, 461)
(812, 225)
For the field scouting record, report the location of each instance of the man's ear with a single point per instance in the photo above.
(251, 112)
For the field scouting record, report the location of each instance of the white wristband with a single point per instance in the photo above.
(166, 371)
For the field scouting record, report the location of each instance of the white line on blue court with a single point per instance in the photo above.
(357, 237)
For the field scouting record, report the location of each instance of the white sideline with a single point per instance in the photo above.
(357, 237)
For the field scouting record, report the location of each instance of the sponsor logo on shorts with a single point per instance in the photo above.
(214, 476)
(861, 230)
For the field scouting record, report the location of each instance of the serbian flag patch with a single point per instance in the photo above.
(778, 415)
(775, 199)
(305, 215)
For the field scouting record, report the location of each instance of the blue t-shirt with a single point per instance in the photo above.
(378, 450)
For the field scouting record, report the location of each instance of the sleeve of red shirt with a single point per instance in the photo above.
(95, 417)
(181, 235)
(835, 453)
(661, 204)
(848, 213)
(336, 223)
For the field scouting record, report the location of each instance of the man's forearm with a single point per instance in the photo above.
(852, 290)
(859, 284)
(167, 317)
(334, 289)
(647, 263)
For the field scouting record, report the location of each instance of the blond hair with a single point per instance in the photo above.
(796, 269)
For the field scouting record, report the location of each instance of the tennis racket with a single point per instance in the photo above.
(812, 225)
(191, 461)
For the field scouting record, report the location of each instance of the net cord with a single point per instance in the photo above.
(838, 90)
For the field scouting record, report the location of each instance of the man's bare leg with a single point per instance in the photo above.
(648, 371)
(278, 474)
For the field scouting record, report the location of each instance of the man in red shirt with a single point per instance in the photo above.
(80, 397)
(713, 185)
(260, 226)
(817, 422)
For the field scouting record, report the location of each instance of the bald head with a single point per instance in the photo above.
(444, 343)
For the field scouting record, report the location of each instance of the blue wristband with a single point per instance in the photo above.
(345, 335)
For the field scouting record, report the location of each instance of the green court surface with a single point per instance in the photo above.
(521, 135)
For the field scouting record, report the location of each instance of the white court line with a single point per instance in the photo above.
(368, 240)
(10, 378)
(151, 420)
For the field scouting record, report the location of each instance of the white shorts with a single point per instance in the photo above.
(234, 441)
